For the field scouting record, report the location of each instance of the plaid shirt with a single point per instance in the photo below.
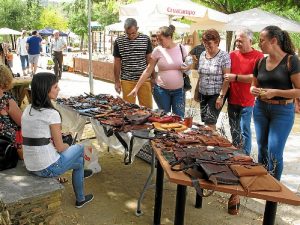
(211, 72)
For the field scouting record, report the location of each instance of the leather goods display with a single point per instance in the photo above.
(165, 119)
(8, 154)
(169, 126)
(245, 170)
(138, 118)
(259, 183)
(219, 174)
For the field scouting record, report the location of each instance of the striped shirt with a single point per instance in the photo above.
(211, 72)
(133, 55)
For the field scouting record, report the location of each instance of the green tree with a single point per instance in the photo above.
(32, 13)
(53, 18)
(287, 8)
(78, 21)
(12, 14)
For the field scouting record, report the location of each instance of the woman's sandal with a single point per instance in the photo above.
(62, 180)
(233, 205)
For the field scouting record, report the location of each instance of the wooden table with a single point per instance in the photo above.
(182, 180)
(20, 86)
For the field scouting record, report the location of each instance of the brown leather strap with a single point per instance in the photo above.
(277, 102)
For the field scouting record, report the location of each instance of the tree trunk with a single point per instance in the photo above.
(229, 35)
(81, 42)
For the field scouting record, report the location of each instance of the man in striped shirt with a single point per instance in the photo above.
(132, 53)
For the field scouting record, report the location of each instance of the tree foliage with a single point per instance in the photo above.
(18, 14)
(286, 8)
(53, 18)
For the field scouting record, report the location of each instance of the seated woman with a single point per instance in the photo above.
(45, 154)
(168, 89)
(10, 113)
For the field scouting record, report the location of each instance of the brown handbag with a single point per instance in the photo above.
(259, 183)
(245, 170)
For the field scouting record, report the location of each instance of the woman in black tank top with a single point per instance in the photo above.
(276, 83)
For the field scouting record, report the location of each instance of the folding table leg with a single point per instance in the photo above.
(270, 213)
(147, 184)
(198, 203)
(158, 193)
(180, 205)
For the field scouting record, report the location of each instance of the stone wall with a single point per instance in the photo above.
(26, 199)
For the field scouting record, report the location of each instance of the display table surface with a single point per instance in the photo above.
(182, 180)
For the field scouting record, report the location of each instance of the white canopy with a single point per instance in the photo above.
(146, 9)
(147, 26)
(8, 31)
(257, 19)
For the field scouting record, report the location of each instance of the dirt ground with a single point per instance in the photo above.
(117, 187)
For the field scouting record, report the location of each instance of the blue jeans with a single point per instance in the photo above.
(24, 61)
(240, 126)
(273, 124)
(71, 158)
(167, 99)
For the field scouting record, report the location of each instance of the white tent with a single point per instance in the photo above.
(166, 9)
(257, 19)
(145, 26)
(8, 31)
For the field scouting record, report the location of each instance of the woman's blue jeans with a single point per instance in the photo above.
(167, 99)
(24, 61)
(71, 158)
(240, 126)
(273, 124)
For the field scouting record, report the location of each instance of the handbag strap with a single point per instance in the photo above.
(181, 52)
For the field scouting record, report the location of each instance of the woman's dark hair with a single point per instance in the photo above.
(166, 31)
(211, 35)
(283, 38)
(40, 87)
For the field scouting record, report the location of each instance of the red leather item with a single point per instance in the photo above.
(165, 119)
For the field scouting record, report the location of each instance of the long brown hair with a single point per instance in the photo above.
(283, 38)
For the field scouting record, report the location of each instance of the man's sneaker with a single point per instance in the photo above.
(88, 198)
(88, 173)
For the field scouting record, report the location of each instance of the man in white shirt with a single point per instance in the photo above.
(22, 51)
(57, 46)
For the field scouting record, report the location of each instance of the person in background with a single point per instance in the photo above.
(10, 57)
(132, 53)
(213, 64)
(240, 100)
(196, 52)
(33, 47)
(275, 84)
(10, 113)
(154, 40)
(57, 46)
(45, 154)
(168, 89)
(22, 51)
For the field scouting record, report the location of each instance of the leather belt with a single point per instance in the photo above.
(277, 102)
(35, 141)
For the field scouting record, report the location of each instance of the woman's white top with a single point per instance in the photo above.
(36, 124)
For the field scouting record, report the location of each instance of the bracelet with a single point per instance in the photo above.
(236, 77)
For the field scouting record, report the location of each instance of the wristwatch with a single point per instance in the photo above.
(221, 96)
